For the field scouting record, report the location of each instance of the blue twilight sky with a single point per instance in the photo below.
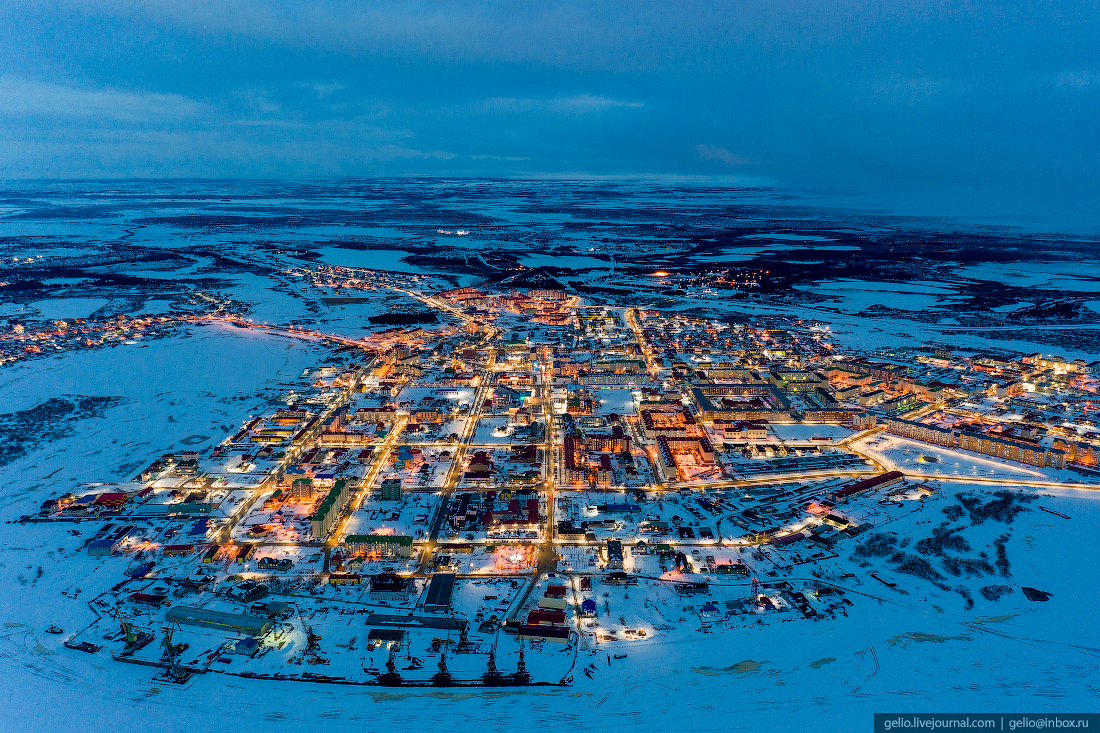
(938, 107)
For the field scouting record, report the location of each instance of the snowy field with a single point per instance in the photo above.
(617, 401)
(801, 433)
(427, 469)
(492, 431)
(916, 457)
(182, 393)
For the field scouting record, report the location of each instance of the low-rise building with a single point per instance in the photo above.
(235, 623)
(379, 545)
(437, 598)
(390, 587)
(614, 555)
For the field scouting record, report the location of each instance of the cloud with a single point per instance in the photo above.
(325, 90)
(56, 130)
(707, 152)
(574, 104)
(20, 97)
(906, 99)
(1077, 79)
(591, 103)
(498, 158)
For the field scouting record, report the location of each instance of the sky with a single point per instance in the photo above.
(982, 109)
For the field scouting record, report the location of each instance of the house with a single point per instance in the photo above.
(554, 598)
(111, 500)
(687, 589)
(653, 527)
(248, 591)
(270, 563)
(178, 550)
(391, 489)
(710, 612)
(737, 569)
(614, 555)
(344, 579)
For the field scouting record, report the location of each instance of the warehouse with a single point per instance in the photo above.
(545, 617)
(559, 634)
(272, 609)
(444, 623)
(102, 548)
(440, 589)
(387, 637)
(877, 482)
(236, 623)
(554, 598)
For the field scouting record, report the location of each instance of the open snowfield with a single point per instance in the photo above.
(911, 456)
(181, 393)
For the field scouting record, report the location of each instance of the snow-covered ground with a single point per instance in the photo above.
(408, 517)
(718, 663)
(910, 647)
(911, 456)
(797, 432)
(181, 393)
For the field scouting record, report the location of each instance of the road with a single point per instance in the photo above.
(292, 452)
(458, 457)
(379, 458)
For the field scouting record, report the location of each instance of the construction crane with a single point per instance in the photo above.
(492, 676)
(171, 651)
(391, 678)
(443, 677)
(175, 671)
(136, 638)
(521, 676)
